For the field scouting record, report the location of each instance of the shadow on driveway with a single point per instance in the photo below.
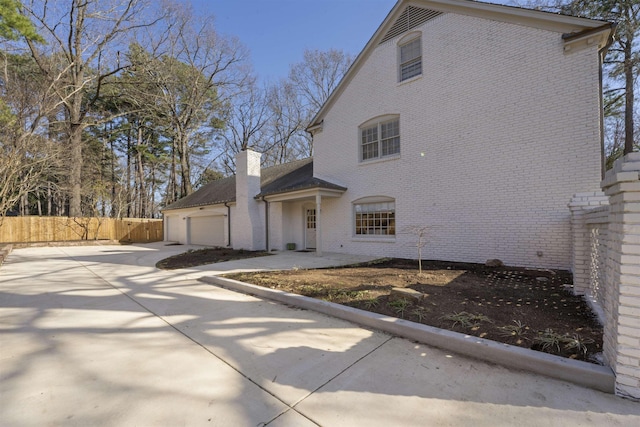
(98, 335)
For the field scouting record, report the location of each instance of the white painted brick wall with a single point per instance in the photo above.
(509, 128)
(622, 278)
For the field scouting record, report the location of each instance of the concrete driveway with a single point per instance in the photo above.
(98, 336)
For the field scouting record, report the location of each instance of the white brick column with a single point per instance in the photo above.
(622, 311)
(318, 224)
(276, 226)
(581, 239)
(248, 228)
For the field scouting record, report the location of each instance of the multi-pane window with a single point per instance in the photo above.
(375, 219)
(390, 137)
(370, 143)
(380, 140)
(410, 59)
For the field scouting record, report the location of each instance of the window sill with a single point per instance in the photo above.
(379, 160)
(409, 80)
(374, 239)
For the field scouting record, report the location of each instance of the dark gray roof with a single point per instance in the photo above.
(292, 176)
(299, 177)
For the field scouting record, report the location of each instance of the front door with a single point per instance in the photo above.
(310, 229)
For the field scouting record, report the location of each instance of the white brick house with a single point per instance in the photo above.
(478, 121)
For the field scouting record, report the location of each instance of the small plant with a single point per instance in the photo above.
(311, 290)
(466, 320)
(400, 306)
(549, 340)
(371, 303)
(331, 295)
(420, 312)
(354, 295)
(517, 330)
(577, 343)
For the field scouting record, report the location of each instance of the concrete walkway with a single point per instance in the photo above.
(98, 336)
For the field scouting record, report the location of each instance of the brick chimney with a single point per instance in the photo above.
(248, 220)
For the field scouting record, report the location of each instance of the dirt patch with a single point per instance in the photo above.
(528, 308)
(196, 257)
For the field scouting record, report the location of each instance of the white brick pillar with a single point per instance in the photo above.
(581, 239)
(318, 224)
(622, 311)
(248, 225)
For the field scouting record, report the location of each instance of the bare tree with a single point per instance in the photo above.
(289, 119)
(419, 232)
(245, 128)
(318, 75)
(82, 51)
(298, 99)
(189, 87)
(28, 156)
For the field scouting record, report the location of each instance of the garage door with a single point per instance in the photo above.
(173, 231)
(207, 230)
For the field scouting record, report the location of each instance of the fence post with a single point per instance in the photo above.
(622, 311)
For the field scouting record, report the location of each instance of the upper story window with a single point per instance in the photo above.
(380, 139)
(410, 60)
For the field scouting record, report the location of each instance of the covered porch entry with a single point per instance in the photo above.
(296, 217)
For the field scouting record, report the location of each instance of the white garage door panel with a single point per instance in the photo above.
(207, 230)
(173, 232)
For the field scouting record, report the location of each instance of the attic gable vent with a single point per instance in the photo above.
(410, 18)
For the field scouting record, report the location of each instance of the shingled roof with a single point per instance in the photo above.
(292, 176)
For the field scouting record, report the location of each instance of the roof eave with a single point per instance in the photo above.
(601, 36)
(221, 202)
(334, 188)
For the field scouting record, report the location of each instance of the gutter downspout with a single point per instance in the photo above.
(266, 221)
(228, 223)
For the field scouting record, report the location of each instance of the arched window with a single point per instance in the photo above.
(410, 56)
(380, 137)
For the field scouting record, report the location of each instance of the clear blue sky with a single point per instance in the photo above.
(278, 31)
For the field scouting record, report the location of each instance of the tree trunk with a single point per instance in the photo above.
(153, 190)
(114, 204)
(142, 190)
(629, 95)
(185, 167)
(128, 184)
(75, 173)
(49, 198)
(172, 190)
(76, 125)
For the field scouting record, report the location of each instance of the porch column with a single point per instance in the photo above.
(318, 225)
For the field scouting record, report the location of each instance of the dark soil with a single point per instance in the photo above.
(193, 258)
(527, 308)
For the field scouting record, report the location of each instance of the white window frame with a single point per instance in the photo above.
(410, 67)
(374, 218)
(374, 140)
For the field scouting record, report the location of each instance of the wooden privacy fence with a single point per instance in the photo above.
(32, 229)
